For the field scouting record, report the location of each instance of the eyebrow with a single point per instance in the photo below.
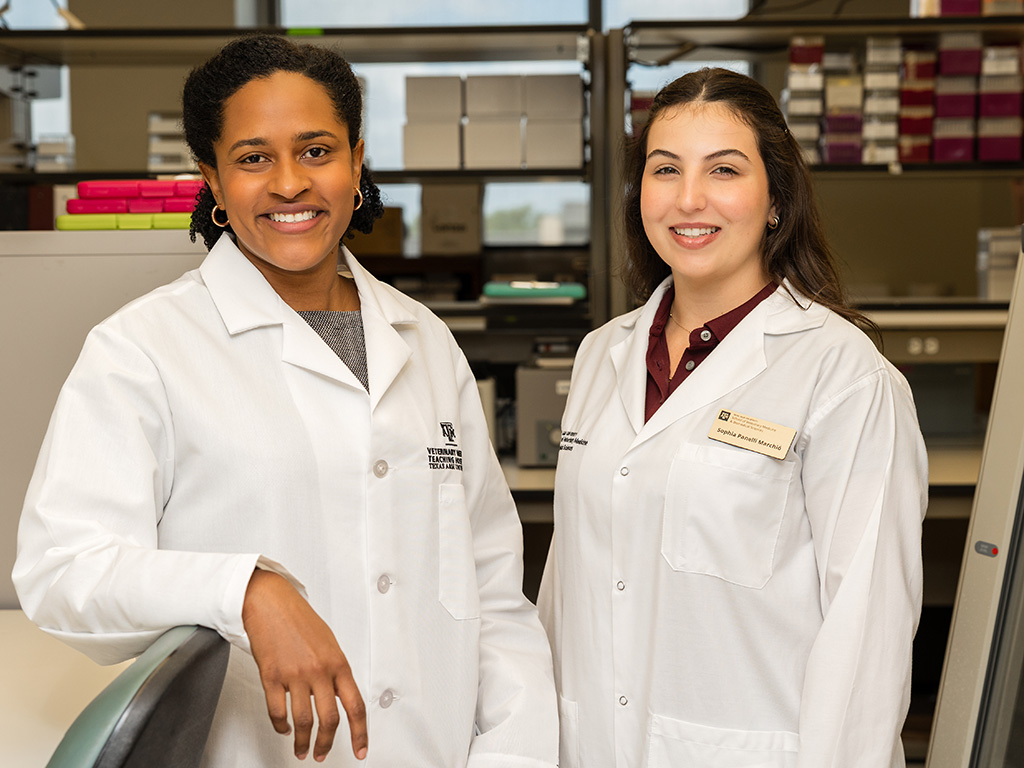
(261, 142)
(708, 158)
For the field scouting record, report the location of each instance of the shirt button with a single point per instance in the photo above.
(620, 586)
(386, 698)
(383, 584)
(705, 335)
(624, 471)
(623, 700)
(690, 365)
(380, 468)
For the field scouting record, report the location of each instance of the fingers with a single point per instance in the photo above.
(302, 719)
(355, 710)
(277, 708)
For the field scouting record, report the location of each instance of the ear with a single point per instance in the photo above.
(357, 162)
(213, 180)
(772, 211)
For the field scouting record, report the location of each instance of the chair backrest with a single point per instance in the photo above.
(157, 712)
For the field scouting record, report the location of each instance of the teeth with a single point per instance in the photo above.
(290, 218)
(695, 231)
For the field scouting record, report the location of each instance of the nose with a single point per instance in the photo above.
(288, 179)
(692, 195)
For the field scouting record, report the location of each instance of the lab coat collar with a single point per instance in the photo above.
(738, 358)
(246, 301)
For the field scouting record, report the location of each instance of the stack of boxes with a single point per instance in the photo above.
(803, 100)
(494, 122)
(844, 116)
(168, 152)
(881, 101)
(917, 106)
(492, 133)
(956, 96)
(131, 204)
(999, 104)
(432, 135)
(553, 110)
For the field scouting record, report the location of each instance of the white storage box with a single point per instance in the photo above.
(554, 144)
(451, 217)
(434, 99)
(493, 143)
(553, 97)
(494, 96)
(432, 145)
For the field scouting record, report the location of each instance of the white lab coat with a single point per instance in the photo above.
(206, 427)
(710, 607)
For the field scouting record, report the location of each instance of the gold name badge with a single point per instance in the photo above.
(753, 434)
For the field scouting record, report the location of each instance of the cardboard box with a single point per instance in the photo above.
(432, 145)
(554, 143)
(451, 219)
(433, 99)
(494, 96)
(386, 239)
(553, 97)
(490, 144)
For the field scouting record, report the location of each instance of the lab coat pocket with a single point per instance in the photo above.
(723, 511)
(676, 743)
(568, 734)
(457, 585)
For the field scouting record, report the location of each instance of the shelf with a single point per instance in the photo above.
(189, 47)
(469, 176)
(660, 42)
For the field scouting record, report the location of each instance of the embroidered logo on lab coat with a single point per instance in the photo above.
(570, 440)
(449, 455)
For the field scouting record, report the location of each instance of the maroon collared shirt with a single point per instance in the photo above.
(702, 342)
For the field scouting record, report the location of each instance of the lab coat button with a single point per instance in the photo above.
(624, 471)
(690, 365)
(623, 700)
(383, 584)
(705, 335)
(386, 698)
(620, 586)
(380, 468)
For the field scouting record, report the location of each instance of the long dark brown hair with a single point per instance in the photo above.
(797, 249)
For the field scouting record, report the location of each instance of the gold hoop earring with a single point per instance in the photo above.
(213, 215)
(774, 223)
(358, 205)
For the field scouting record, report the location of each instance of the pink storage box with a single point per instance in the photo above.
(955, 104)
(960, 7)
(188, 188)
(917, 93)
(953, 149)
(915, 149)
(146, 205)
(1007, 104)
(844, 123)
(115, 188)
(179, 204)
(916, 124)
(153, 188)
(97, 205)
(999, 148)
(919, 65)
(960, 61)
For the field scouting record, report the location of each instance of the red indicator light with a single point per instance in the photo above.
(995, 550)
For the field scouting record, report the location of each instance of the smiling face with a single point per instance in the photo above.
(705, 202)
(285, 174)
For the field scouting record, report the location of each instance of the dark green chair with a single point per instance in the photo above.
(155, 714)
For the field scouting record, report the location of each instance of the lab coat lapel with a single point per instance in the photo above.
(247, 301)
(629, 357)
(383, 315)
(737, 359)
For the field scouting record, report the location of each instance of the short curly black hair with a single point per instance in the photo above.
(247, 58)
